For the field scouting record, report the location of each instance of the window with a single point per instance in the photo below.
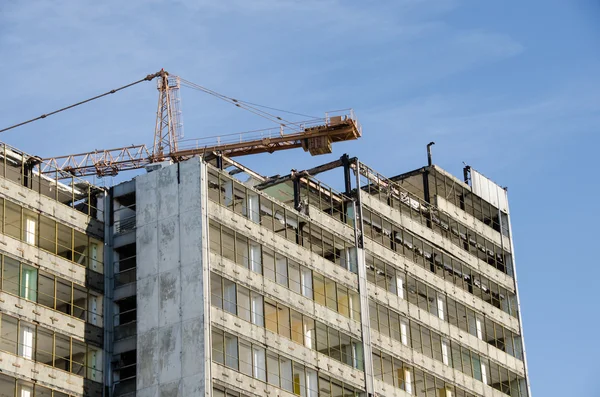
(272, 369)
(271, 315)
(231, 351)
(245, 353)
(258, 317)
(243, 302)
(7, 385)
(218, 347)
(440, 307)
(445, 352)
(269, 263)
(404, 332)
(281, 271)
(26, 340)
(294, 276)
(259, 362)
(216, 290)
(8, 334)
(10, 276)
(229, 296)
(255, 257)
(307, 283)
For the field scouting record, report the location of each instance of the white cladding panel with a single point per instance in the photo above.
(489, 191)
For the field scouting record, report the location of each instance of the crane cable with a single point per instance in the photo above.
(235, 102)
(43, 116)
(249, 106)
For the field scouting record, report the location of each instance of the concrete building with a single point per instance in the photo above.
(249, 286)
(217, 281)
(52, 282)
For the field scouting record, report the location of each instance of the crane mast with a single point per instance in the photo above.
(168, 121)
(314, 136)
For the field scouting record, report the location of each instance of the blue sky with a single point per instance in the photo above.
(509, 87)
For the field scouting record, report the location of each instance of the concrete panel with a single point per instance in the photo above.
(170, 294)
(167, 191)
(147, 359)
(169, 297)
(169, 247)
(147, 303)
(193, 386)
(172, 389)
(151, 391)
(193, 343)
(191, 291)
(146, 250)
(146, 202)
(169, 339)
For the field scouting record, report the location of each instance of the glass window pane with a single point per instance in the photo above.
(218, 347)
(229, 296)
(285, 366)
(330, 292)
(12, 219)
(294, 276)
(29, 227)
(43, 348)
(245, 358)
(258, 315)
(243, 303)
(216, 290)
(47, 238)
(273, 369)
(80, 299)
(28, 283)
(259, 360)
(319, 288)
(78, 357)
(281, 271)
(7, 385)
(26, 340)
(297, 325)
(62, 346)
(271, 315)
(283, 314)
(8, 334)
(65, 244)
(63, 297)
(268, 263)
(41, 391)
(80, 248)
(231, 351)
(10, 276)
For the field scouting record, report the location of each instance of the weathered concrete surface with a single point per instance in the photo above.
(171, 347)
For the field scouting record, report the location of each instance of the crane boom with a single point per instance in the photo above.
(313, 138)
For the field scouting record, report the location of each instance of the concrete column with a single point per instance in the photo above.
(173, 355)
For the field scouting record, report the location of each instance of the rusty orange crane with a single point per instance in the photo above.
(315, 136)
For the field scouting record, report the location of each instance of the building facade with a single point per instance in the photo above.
(233, 284)
(204, 278)
(52, 282)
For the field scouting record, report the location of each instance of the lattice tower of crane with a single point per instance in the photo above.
(315, 135)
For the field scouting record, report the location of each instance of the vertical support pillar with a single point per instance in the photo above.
(362, 287)
(108, 322)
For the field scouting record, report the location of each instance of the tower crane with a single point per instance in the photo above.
(314, 136)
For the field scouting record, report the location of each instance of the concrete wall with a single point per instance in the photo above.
(172, 319)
